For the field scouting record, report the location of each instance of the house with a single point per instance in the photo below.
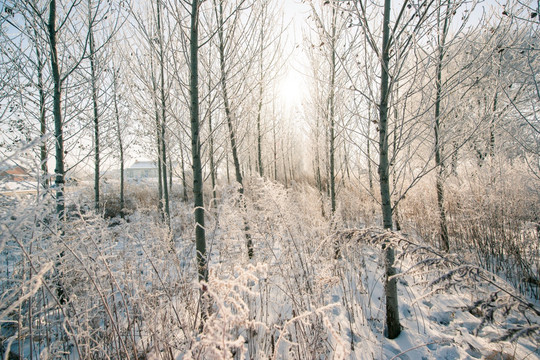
(142, 169)
(14, 173)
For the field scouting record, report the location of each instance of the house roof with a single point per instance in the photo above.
(18, 170)
(143, 165)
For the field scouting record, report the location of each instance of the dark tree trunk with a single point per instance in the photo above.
(43, 156)
(443, 229)
(159, 158)
(163, 126)
(184, 182)
(93, 79)
(368, 152)
(211, 155)
(332, 109)
(57, 113)
(393, 327)
(228, 115)
(119, 136)
(200, 239)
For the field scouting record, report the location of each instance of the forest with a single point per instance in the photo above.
(269, 179)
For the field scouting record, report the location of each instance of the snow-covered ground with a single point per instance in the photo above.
(130, 287)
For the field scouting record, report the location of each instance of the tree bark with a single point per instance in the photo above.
(228, 115)
(43, 156)
(93, 81)
(439, 182)
(184, 182)
(393, 327)
(163, 126)
(119, 136)
(211, 152)
(259, 107)
(332, 109)
(200, 238)
(57, 114)
(368, 152)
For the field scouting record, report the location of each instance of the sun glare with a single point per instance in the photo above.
(291, 90)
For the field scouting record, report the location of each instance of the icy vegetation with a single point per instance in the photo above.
(98, 287)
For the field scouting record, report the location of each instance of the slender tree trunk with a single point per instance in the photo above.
(318, 156)
(211, 139)
(170, 172)
(394, 174)
(228, 115)
(42, 117)
(443, 229)
(368, 152)
(163, 117)
(211, 154)
(93, 79)
(393, 327)
(59, 140)
(455, 158)
(494, 116)
(119, 136)
(259, 108)
(259, 133)
(332, 110)
(332, 135)
(160, 165)
(184, 182)
(284, 162)
(227, 167)
(275, 149)
(346, 162)
(57, 113)
(291, 169)
(200, 238)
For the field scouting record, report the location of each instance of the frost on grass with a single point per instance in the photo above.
(129, 294)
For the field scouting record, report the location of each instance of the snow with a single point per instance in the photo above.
(293, 300)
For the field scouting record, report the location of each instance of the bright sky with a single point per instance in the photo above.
(292, 87)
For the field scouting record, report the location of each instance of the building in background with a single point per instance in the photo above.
(14, 173)
(142, 169)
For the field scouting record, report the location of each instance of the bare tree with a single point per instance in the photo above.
(200, 239)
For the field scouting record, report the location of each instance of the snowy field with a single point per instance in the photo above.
(126, 288)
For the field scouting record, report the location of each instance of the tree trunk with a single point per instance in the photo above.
(393, 327)
(159, 158)
(119, 136)
(184, 182)
(59, 140)
(494, 109)
(57, 113)
(275, 149)
(284, 162)
(332, 109)
(163, 118)
(211, 139)
(228, 115)
(92, 56)
(395, 211)
(170, 172)
(211, 155)
(200, 238)
(42, 117)
(259, 133)
(443, 229)
(368, 152)
(259, 108)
